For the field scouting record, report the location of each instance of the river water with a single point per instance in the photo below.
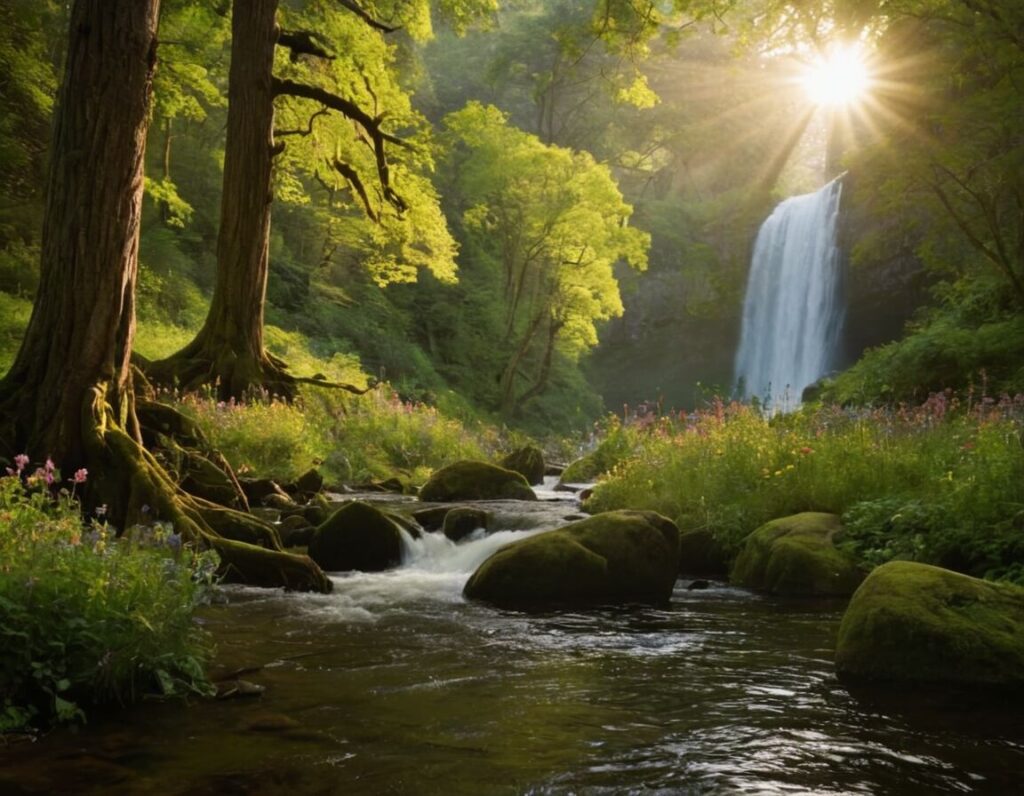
(395, 685)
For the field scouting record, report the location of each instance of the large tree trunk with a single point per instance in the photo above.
(69, 394)
(229, 349)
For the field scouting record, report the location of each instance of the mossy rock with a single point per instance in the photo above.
(615, 557)
(701, 554)
(528, 462)
(256, 489)
(795, 556)
(469, 480)
(431, 519)
(583, 470)
(461, 521)
(915, 623)
(357, 536)
(309, 483)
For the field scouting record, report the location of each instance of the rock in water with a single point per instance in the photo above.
(469, 480)
(795, 555)
(309, 483)
(461, 521)
(915, 623)
(615, 557)
(528, 462)
(357, 536)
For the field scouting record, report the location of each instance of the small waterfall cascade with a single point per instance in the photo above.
(793, 309)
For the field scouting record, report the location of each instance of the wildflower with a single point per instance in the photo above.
(805, 450)
(80, 476)
(101, 511)
(174, 542)
(21, 461)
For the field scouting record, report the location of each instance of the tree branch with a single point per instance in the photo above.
(350, 174)
(303, 42)
(364, 15)
(300, 131)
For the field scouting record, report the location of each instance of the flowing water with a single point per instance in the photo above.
(394, 684)
(793, 309)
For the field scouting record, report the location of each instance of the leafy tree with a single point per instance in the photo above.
(554, 224)
(70, 394)
(229, 350)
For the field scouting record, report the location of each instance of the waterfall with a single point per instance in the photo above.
(793, 310)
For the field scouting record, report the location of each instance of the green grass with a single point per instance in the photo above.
(939, 483)
(87, 619)
(350, 438)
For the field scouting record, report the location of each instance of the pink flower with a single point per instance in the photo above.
(80, 476)
(20, 461)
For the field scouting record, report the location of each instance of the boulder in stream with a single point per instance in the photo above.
(915, 623)
(471, 480)
(357, 536)
(461, 521)
(614, 557)
(528, 462)
(795, 556)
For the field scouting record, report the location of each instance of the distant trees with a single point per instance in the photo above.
(547, 225)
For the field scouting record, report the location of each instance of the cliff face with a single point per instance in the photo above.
(884, 285)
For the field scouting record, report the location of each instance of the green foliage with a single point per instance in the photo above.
(86, 619)
(14, 315)
(973, 341)
(937, 483)
(351, 439)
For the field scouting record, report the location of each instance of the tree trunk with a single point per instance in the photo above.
(69, 394)
(229, 349)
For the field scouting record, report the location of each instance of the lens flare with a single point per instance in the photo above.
(840, 78)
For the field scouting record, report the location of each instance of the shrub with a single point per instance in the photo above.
(87, 619)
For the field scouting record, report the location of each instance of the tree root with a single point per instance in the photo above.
(136, 488)
(233, 376)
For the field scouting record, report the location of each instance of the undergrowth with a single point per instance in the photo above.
(941, 483)
(87, 619)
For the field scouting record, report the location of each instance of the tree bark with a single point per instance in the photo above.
(229, 349)
(69, 394)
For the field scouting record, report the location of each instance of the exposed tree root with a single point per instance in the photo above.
(137, 489)
(233, 375)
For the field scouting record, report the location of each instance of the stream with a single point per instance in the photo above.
(394, 684)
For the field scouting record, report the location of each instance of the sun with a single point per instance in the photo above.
(840, 78)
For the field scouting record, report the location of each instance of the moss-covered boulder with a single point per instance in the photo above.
(615, 557)
(357, 536)
(701, 554)
(431, 519)
(309, 483)
(469, 480)
(915, 623)
(528, 462)
(796, 555)
(461, 521)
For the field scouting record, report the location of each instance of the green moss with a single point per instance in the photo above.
(470, 480)
(357, 536)
(620, 556)
(795, 555)
(911, 622)
(528, 462)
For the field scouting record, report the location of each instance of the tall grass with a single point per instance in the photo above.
(958, 469)
(350, 438)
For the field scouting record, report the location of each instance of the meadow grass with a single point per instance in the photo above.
(942, 482)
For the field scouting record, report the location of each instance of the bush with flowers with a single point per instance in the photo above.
(941, 483)
(87, 619)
